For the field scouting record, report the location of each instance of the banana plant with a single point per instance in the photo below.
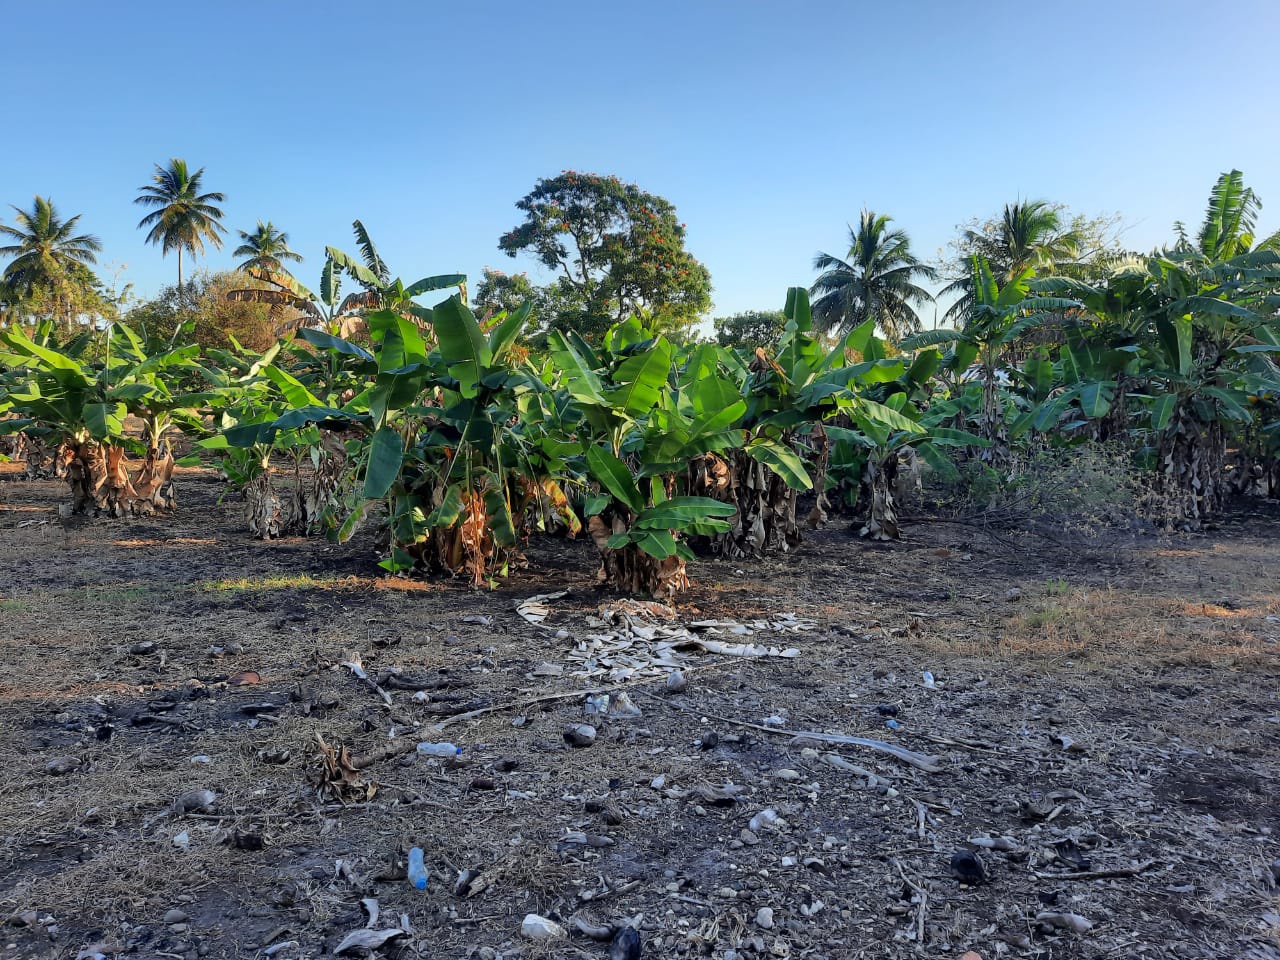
(436, 442)
(639, 432)
(888, 424)
(1000, 316)
(23, 437)
(791, 391)
(255, 393)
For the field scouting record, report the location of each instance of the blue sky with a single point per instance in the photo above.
(768, 125)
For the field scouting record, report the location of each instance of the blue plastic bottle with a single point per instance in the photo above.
(417, 869)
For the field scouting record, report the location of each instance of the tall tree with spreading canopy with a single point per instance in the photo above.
(51, 262)
(183, 218)
(617, 249)
(876, 280)
(266, 247)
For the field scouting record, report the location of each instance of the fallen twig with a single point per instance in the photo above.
(396, 748)
(923, 761)
(922, 910)
(1117, 872)
(517, 704)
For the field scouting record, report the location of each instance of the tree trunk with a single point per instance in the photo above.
(879, 478)
(630, 569)
(467, 547)
(1192, 456)
(46, 464)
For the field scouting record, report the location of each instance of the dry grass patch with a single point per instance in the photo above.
(1111, 624)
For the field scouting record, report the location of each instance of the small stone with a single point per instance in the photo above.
(143, 647)
(764, 918)
(174, 916)
(968, 868)
(178, 928)
(1013, 594)
(727, 893)
(786, 774)
(194, 800)
(677, 682)
(626, 945)
(579, 735)
(535, 927)
(60, 766)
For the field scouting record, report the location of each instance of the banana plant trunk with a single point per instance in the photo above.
(316, 496)
(765, 522)
(630, 569)
(993, 425)
(46, 464)
(879, 480)
(269, 516)
(154, 481)
(101, 484)
(1192, 474)
(1115, 424)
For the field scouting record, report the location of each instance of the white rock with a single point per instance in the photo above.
(534, 927)
(764, 918)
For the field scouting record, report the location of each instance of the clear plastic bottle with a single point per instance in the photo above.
(417, 869)
(438, 750)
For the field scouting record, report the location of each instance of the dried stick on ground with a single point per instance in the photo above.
(1099, 874)
(923, 761)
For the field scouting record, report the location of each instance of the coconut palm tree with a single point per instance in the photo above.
(266, 249)
(50, 259)
(1029, 234)
(877, 279)
(184, 217)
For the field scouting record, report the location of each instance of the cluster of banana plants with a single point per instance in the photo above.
(460, 444)
(1174, 354)
(78, 406)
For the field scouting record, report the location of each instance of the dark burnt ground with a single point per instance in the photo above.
(1156, 660)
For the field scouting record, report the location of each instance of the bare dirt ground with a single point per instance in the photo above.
(1115, 720)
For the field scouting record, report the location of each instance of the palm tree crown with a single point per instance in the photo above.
(46, 248)
(266, 248)
(184, 217)
(877, 279)
(1028, 234)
